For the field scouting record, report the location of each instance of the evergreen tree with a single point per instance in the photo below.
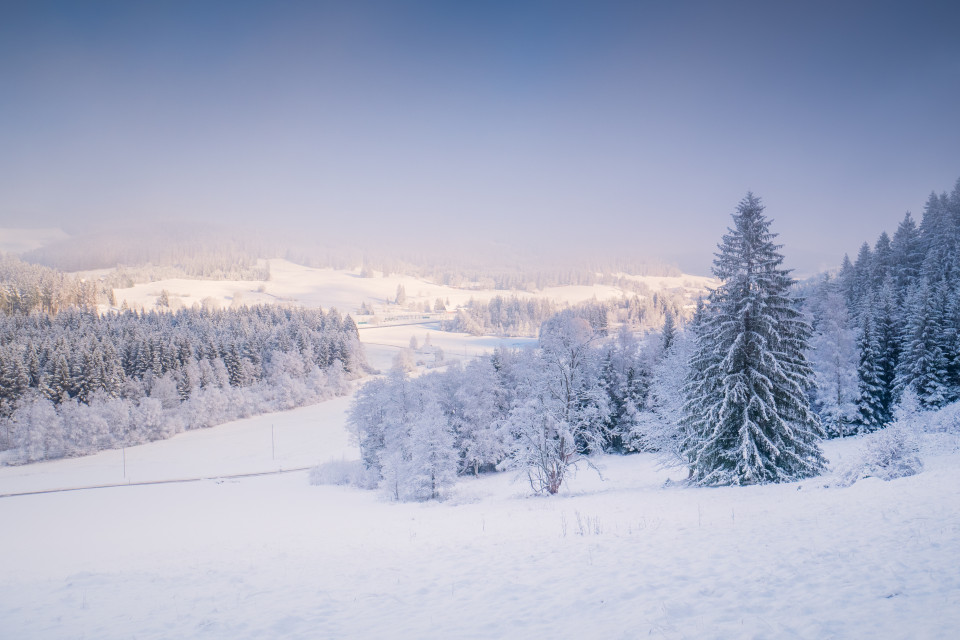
(882, 261)
(870, 402)
(862, 276)
(14, 379)
(848, 284)
(907, 258)
(951, 341)
(669, 332)
(60, 381)
(747, 410)
(924, 362)
(887, 323)
(938, 233)
(625, 378)
(953, 205)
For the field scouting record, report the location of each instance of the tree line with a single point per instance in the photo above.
(888, 324)
(78, 381)
(516, 316)
(542, 410)
(26, 287)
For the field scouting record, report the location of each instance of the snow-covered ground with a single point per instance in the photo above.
(383, 342)
(285, 440)
(625, 557)
(345, 290)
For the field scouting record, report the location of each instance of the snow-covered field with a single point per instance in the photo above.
(345, 290)
(625, 557)
(382, 343)
(286, 440)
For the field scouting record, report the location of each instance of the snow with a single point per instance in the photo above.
(383, 342)
(345, 290)
(623, 557)
(286, 440)
(684, 282)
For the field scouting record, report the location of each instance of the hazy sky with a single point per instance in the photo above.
(634, 125)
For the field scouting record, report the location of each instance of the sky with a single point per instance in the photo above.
(620, 128)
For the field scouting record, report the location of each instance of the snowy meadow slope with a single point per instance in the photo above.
(623, 557)
(634, 553)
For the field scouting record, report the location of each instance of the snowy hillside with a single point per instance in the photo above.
(345, 290)
(624, 557)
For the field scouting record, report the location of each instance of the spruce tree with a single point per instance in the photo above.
(939, 238)
(862, 275)
(14, 379)
(669, 332)
(882, 260)
(886, 318)
(848, 284)
(907, 258)
(869, 372)
(747, 414)
(924, 362)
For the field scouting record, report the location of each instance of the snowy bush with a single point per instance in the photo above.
(340, 473)
(404, 361)
(909, 412)
(893, 453)
(888, 454)
(946, 420)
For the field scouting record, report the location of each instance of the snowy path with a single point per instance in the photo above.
(221, 478)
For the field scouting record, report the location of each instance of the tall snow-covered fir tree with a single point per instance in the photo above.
(747, 416)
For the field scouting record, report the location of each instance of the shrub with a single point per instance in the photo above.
(340, 473)
(887, 454)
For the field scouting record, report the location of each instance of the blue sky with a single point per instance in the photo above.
(631, 128)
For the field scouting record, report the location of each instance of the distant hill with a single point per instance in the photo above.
(24, 240)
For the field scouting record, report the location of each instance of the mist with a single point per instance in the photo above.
(553, 128)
